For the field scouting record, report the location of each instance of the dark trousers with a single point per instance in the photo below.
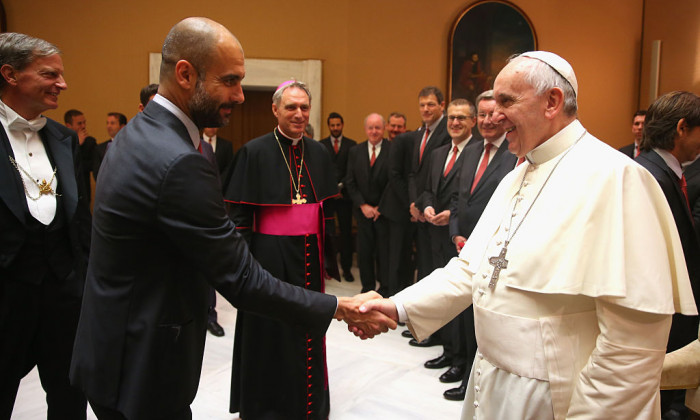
(424, 253)
(104, 413)
(343, 211)
(401, 269)
(212, 305)
(372, 250)
(453, 334)
(37, 328)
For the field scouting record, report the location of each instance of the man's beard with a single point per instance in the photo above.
(204, 110)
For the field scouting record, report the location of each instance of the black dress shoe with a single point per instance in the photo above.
(349, 277)
(453, 374)
(455, 394)
(401, 324)
(215, 329)
(406, 333)
(438, 362)
(428, 342)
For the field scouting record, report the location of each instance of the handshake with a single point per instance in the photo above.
(367, 314)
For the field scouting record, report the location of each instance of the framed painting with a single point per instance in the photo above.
(482, 38)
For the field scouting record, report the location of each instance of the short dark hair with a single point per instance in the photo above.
(334, 115)
(432, 90)
(639, 113)
(464, 102)
(147, 92)
(70, 114)
(663, 116)
(119, 116)
(20, 50)
(397, 115)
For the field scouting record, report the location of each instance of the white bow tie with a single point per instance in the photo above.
(20, 124)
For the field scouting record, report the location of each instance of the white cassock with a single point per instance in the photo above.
(577, 324)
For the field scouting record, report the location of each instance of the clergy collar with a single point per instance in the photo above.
(556, 144)
(189, 125)
(294, 141)
(671, 161)
(496, 143)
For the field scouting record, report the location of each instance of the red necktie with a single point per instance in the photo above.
(199, 147)
(451, 163)
(373, 158)
(520, 160)
(423, 143)
(335, 145)
(482, 166)
(684, 188)
(636, 150)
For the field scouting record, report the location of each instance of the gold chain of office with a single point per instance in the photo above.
(43, 186)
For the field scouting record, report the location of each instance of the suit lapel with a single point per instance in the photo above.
(438, 168)
(469, 166)
(493, 165)
(656, 159)
(456, 166)
(65, 170)
(11, 190)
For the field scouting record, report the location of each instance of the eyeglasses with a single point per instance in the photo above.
(459, 117)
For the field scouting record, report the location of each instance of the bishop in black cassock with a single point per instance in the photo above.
(280, 372)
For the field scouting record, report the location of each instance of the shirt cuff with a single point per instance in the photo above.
(403, 317)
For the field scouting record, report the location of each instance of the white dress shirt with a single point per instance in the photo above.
(30, 155)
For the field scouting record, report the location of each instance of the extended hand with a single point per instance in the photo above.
(365, 324)
(380, 306)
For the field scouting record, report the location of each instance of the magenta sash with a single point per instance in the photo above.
(294, 220)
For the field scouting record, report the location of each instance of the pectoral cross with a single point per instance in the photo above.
(298, 200)
(498, 263)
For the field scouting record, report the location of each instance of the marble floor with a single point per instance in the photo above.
(382, 378)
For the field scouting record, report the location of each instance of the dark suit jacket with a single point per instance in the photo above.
(419, 167)
(692, 177)
(161, 232)
(366, 184)
(668, 181)
(628, 150)
(62, 143)
(438, 189)
(98, 155)
(340, 160)
(466, 207)
(394, 203)
(224, 154)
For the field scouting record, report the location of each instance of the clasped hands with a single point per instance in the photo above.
(367, 314)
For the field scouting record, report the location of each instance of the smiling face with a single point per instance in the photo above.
(293, 111)
(335, 125)
(374, 128)
(460, 122)
(34, 89)
(484, 120)
(519, 111)
(396, 126)
(215, 97)
(430, 109)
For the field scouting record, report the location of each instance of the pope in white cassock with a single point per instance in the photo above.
(574, 269)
